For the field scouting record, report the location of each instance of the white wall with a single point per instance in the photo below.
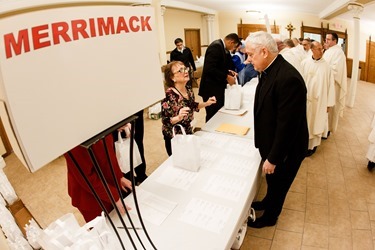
(176, 20)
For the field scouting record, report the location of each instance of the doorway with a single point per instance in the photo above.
(193, 42)
(370, 61)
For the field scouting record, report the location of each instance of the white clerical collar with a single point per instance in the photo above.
(222, 40)
(270, 63)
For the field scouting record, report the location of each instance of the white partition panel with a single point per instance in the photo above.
(70, 72)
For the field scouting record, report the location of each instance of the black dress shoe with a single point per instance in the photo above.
(140, 179)
(370, 166)
(261, 222)
(310, 152)
(325, 138)
(257, 205)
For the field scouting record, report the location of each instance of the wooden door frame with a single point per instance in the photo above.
(199, 39)
(6, 142)
(369, 52)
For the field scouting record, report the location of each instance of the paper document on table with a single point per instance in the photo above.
(235, 165)
(208, 157)
(213, 139)
(224, 187)
(205, 214)
(153, 208)
(241, 111)
(240, 146)
(177, 178)
(233, 129)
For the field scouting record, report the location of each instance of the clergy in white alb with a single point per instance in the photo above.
(288, 55)
(335, 56)
(320, 84)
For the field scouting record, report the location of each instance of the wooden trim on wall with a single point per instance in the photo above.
(368, 56)
(243, 28)
(349, 67)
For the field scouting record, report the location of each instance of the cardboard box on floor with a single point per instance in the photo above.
(21, 214)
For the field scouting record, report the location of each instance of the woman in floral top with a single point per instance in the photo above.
(179, 103)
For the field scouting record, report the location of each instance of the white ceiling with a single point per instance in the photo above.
(317, 7)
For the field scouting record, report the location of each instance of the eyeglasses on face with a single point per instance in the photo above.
(182, 70)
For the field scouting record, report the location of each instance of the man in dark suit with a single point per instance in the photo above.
(184, 54)
(218, 71)
(280, 126)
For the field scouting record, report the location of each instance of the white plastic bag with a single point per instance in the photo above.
(66, 234)
(60, 233)
(233, 97)
(122, 147)
(96, 235)
(185, 150)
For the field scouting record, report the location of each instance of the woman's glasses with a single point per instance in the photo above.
(182, 70)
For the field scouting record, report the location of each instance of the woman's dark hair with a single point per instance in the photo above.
(168, 74)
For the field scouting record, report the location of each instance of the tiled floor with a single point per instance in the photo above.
(331, 204)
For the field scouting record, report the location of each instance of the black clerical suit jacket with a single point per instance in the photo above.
(186, 57)
(217, 62)
(280, 124)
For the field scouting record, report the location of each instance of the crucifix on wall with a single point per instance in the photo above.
(290, 28)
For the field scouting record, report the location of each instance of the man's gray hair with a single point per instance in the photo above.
(261, 38)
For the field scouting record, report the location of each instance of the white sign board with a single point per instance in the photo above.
(71, 72)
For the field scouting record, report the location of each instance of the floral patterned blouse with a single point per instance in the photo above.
(170, 107)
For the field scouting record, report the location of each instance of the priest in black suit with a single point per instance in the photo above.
(280, 126)
(218, 71)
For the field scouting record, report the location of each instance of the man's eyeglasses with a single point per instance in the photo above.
(182, 70)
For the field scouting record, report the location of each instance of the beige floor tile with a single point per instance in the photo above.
(286, 240)
(351, 174)
(315, 235)
(298, 186)
(358, 188)
(291, 220)
(347, 161)
(264, 233)
(362, 240)
(331, 155)
(317, 180)
(359, 204)
(302, 172)
(339, 226)
(312, 248)
(371, 211)
(335, 173)
(373, 229)
(339, 208)
(340, 243)
(336, 191)
(295, 201)
(317, 167)
(360, 220)
(317, 195)
(370, 197)
(316, 214)
(255, 243)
